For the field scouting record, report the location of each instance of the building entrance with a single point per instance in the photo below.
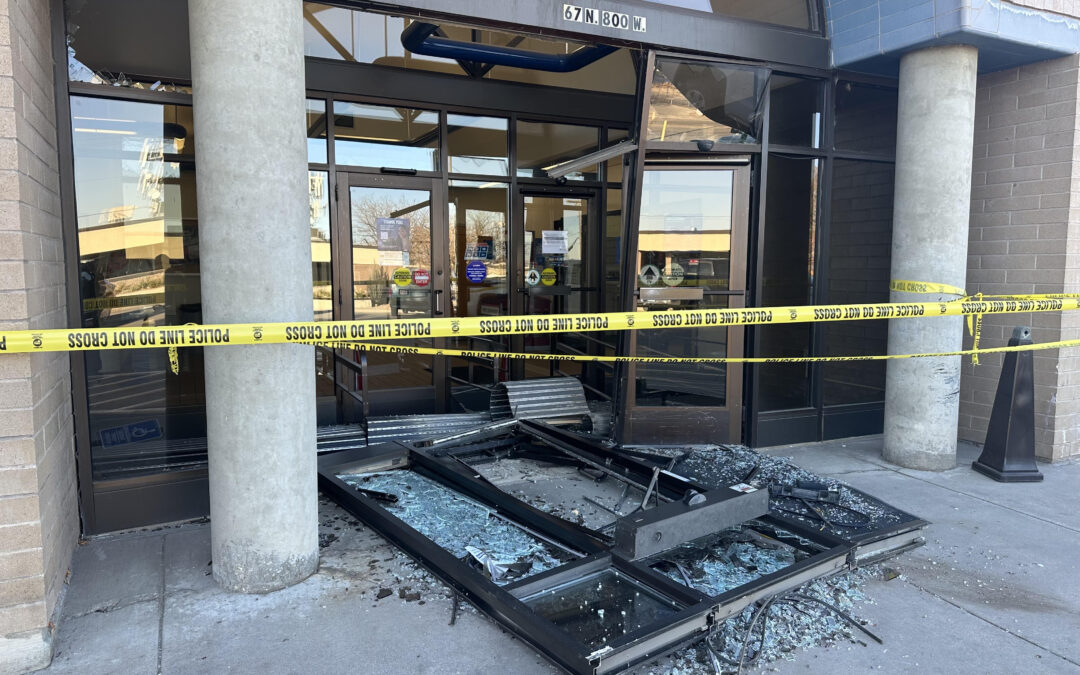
(394, 268)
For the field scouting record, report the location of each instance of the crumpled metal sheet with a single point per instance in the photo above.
(456, 523)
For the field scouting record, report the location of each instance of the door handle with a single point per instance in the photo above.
(438, 302)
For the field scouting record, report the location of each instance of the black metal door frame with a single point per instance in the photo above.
(593, 243)
(440, 278)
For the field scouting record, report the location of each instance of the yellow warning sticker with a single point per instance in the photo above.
(402, 276)
(547, 277)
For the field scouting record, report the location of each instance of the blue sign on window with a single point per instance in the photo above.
(147, 430)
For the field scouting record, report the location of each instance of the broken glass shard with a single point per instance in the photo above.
(601, 607)
(457, 523)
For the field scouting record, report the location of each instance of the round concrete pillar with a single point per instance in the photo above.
(932, 201)
(247, 63)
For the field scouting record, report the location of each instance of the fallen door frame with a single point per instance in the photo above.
(699, 612)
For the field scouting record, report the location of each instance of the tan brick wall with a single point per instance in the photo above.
(1024, 234)
(38, 505)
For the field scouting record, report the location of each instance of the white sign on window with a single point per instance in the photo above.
(603, 18)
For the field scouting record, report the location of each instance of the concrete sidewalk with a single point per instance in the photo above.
(996, 589)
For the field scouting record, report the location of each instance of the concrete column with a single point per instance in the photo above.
(930, 234)
(247, 63)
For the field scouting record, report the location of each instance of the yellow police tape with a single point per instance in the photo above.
(66, 340)
(924, 287)
(470, 353)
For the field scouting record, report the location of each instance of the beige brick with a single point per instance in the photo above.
(16, 481)
(22, 618)
(25, 591)
(19, 509)
(22, 537)
(21, 564)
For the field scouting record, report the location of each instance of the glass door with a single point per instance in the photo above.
(691, 254)
(394, 271)
(559, 263)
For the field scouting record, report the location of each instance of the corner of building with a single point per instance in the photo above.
(1025, 238)
(39, 522)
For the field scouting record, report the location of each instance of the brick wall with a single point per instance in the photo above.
(1024, 234)
(38, 504)
(1066, 7)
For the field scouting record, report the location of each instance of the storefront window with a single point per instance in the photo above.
(142, 44)
(859, 250)
(139, 266)
(478, 144)
(793, 13)
(706, 103)
(385, 136)
(791, 219)
(543, 145)
(316, 131)
(795, 107)
(865, 118)
(342, 34)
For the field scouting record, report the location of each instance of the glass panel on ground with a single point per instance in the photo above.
(385, 136)
(601, 607)
(860, 254)
(791, 221)
(478, 144)
(499, 549)
(391, 270)
(556, 231)
(684, 251)
(138, 267)
(479, 281)
(544, 145)
(706, 103)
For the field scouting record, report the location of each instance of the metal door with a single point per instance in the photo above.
(394, 267)
(691, 254)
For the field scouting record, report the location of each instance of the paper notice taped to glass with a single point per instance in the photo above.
(553, 242)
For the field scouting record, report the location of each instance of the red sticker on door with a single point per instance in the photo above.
(421, 277)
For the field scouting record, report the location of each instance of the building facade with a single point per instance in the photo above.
(482, 158)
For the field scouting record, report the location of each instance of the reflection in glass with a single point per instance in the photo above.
(361, 37)
(322, 288)
(385, 136)
(479, 275)
(795, 107)
(860, 239)
(316, 131)
(791, 217)
(477, 144)
(793, 13)
(556, 232)
(391, 270)
(542, 145)
(706, 102)
(601, 607)
(684, 250)
(865, 117)
(138, 266)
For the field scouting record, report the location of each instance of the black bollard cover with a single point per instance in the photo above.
(1008, 455)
